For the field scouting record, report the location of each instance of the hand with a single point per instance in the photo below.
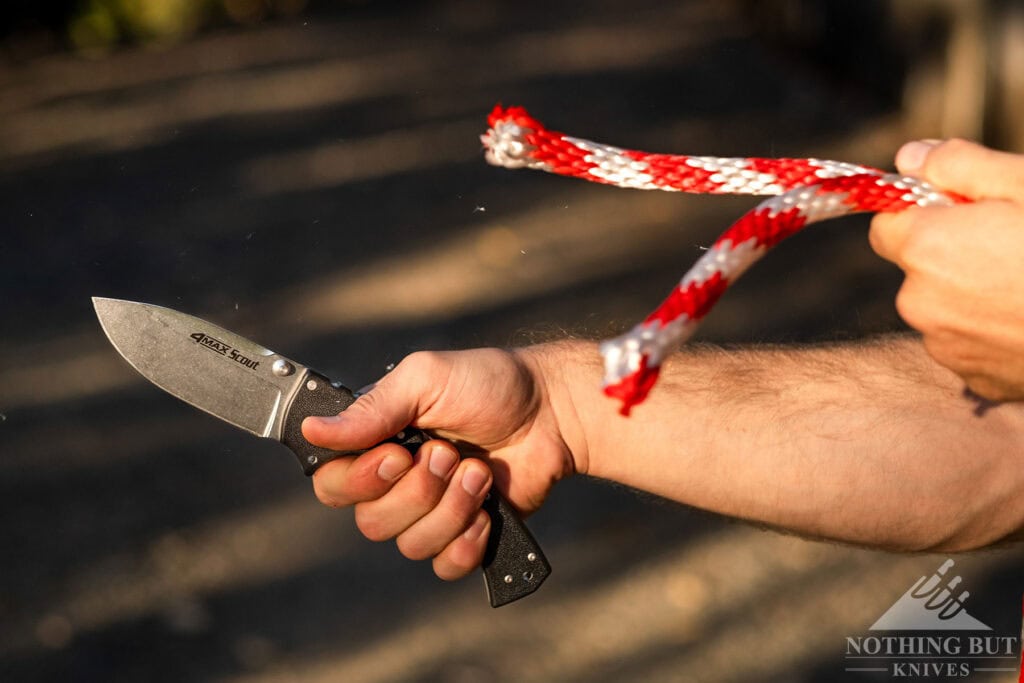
(494, 403)
(964, 265)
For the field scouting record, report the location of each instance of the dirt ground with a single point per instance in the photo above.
(318, 185)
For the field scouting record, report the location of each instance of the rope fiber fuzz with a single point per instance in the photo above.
(802, 191)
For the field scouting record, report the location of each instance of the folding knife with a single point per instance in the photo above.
(269, 395)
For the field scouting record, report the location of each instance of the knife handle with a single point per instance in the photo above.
(321, 397)
(514, 565)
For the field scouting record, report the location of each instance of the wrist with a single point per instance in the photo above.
(560, 370)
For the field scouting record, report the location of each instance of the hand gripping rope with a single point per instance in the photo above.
(805, 191)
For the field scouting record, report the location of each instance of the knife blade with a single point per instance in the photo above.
(269, 395)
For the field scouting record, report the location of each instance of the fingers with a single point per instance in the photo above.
(412, 497)
(452, 515)
(961, 262)
(926, 237)
(429, 503)
(911, 156)
(964, 167)
(347, 481)
(959, 166)
(392, 404)
(466, 552)
(888, 234)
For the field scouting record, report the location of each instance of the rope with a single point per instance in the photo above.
(804, 191)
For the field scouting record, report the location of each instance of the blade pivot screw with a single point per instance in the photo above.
(282, 368)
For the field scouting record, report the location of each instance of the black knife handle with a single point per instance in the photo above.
(319, 396)
(514, 565)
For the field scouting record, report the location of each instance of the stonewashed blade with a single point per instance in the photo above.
(204, 365)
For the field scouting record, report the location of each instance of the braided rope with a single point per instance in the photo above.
(804, 191)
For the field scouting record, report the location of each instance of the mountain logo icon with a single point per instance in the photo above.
(931, 604)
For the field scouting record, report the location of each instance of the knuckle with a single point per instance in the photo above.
(326, 494)
(877, 230)
(922, 241)
(369, 406)
(464, 554)
(457, 515)
(953, 147)
(427, 369)
(882, 235)
(899, 237)
(453, 565)
(420, 361)
(366, 403)
(413, 548)
(424, 493)
(943, 161)
(946, 354)
(370, 525)
(879, 224)
(907, 308)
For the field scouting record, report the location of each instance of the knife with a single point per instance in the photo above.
(269, 395)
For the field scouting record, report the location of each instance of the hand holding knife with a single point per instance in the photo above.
(269, 395)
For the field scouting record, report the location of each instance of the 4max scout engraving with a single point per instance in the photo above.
(217, 346)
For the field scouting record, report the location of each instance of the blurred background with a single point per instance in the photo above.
(308, 173)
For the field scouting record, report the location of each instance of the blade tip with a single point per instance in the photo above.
(106, 308)
(98, 302)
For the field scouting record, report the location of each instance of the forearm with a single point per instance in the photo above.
(869, 443)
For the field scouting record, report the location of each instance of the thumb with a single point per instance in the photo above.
(391, 405)
(964, 167)
(371, 419)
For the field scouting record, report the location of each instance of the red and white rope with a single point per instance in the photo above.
(804, 191)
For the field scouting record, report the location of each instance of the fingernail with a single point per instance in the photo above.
(326, 420)
(441, 461)
(473, 480)
(391, 467)
(911, 156)
(473, 532)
